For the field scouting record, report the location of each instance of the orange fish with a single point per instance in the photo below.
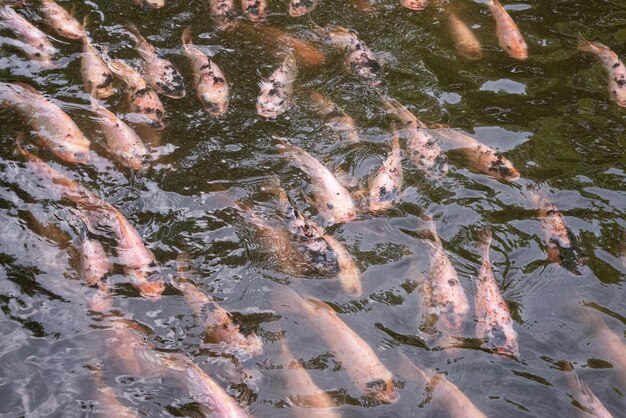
(509, 36)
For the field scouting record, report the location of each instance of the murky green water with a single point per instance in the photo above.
(550, 115)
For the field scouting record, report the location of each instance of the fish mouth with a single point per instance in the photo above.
(346, 218)
(151, 290)
(216, 109)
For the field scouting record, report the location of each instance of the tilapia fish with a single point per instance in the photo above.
(588, 402)
(219, 327)
(444, 297)
(56, 130)
(464, 39)
(423, 149)
(356, 357)
(39, 47)
(255, 10)
(358, 58)
(276, 91)
(332, 200)
(415, 5)
(211, 86)
(495, 325)
(122, 141)
(335, 118)
(144, 102)
(94, 262)
(160, 73)
(613, 66)
(481, 157)
(385, 187)
(224, 14)
(302, 7)
(60, 20)
(95, 72)
(154, 4)
(509, 36)
(307, 399)
(562, 246)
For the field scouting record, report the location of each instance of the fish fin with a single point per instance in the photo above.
(27, 87)
(85, 23)
(187, 36)
(318, 304)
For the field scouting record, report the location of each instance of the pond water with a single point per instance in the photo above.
(550, 115)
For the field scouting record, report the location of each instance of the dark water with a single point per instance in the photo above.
(550, 115)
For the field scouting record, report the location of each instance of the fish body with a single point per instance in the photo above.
(143, 100)
(385, 187)
(153, 4)
(224, 14)
(444, 297)
(305, 396)
(136, 259)
(495, 325)
(509, 36)
(217, 322)
(56, 130)
(94, 262)
(480, 156)
(40, 48)
(301, 7)
(349, 274)
(613, 66)
(61, 20)
(160, 73)
(356, 357)
(415, 5)
(423, 149)
(332, 200)
(335, 117)
(122, 140)
(255, 10)
(209, 79)
(95, 72)
(464, 39)
(277, 90)
(358, 58)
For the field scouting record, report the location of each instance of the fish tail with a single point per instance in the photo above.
(395, 140)
(135, 32)
(85, 22)
(19, 139)
(187, 36)
(585, 45)
(484, 238)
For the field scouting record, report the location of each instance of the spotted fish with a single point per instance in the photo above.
(385, 187)
(60, 20)
(612, 64)
(95, 72)
(224, 14)
(276, 91)
(255, 10)
(36, 43)
(302, 7)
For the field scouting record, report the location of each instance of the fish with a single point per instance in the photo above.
(276, 39)
(415, 5)
(122, 141)
(610, 342)
(561, 245)
(144, 101)
(94, 262)
(386, 186)
(466, 43)
(136, 259)
(276, 91)
(53, 127)
(444, 297)
(301, 7)
(332, 200)
(154, 4)
(509, 36)
(349, 274)
(481, 157)
(304, 396)
(39, 47)
(446, 394)
(255, 10)
(94, 70)
(209, 79)
(587, 402)
(218, 324)
(358, 58)
(613, 66)
(422, 148)
(61, 20)
(494, 323)
(366, 6)
(356, 357)
(335, 118)
(223, 14)
(160, 73)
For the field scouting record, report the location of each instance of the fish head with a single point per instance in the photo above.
(517, 49)
(215, 101)
(70, 153)
(415, 5)
(382, 390)
(500, 167)
(151, 290)
(343, 211)
(271, 105)
(155, 4)
(339, 36)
